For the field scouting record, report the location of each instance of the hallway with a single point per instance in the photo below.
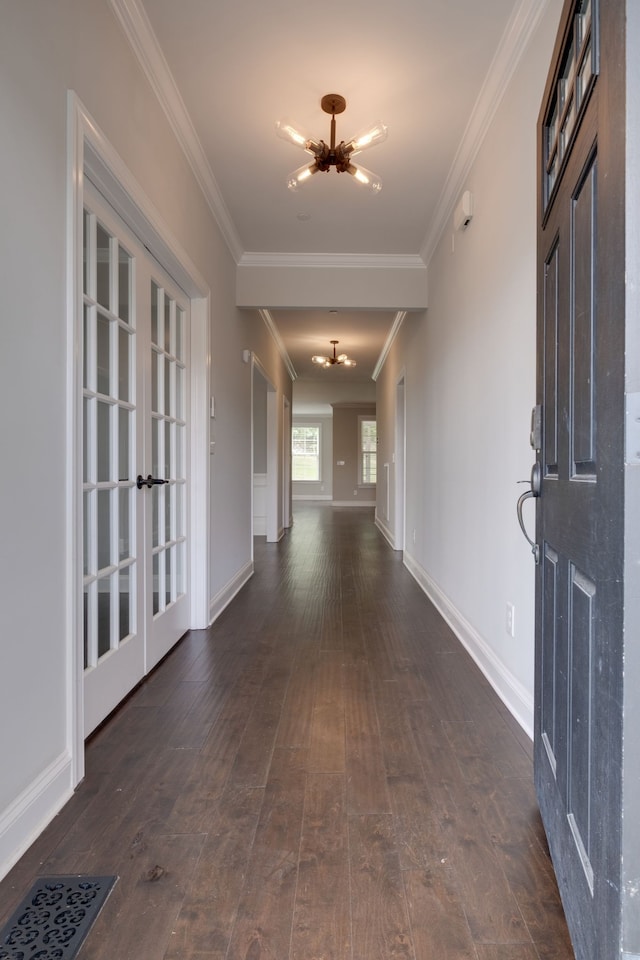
(322, 775)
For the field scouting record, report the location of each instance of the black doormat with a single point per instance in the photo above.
(54, 918)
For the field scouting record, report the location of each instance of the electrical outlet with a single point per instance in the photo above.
(511, 620)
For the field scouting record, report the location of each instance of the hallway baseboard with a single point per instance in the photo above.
(512, 693)
(224, 597)
(387, 533)
(25, 819)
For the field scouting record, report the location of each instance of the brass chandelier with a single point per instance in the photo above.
(331, 360)
(335, 155)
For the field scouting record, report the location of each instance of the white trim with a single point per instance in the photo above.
(376, 261)
(354, 503)
(279, 342)
(224, 596)
(512, 693)
(25, 819)
(300, 496)
(386, 532)
(518, 32)
(138, 31)
(200, 457)
(393, 333)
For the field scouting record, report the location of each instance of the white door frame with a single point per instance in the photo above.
(273, 525)
(400, 455)
(89, 152)
(286, 463)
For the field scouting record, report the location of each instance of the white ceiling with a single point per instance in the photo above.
(421, 66)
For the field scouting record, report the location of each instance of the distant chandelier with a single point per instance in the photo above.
(329, 361)
(332, 155)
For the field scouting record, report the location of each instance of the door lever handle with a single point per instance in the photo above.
(149, 482)
(533, 493)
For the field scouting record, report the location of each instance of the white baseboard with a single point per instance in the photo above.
(513, 694)
(302, 496)
(224, 597)
(353, 503)
(25, 819)
(386, 533)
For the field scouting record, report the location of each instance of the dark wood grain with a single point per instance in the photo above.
(322, 775)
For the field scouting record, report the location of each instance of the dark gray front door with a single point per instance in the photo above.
(580, 385)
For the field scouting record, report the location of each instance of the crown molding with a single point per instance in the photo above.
(333, 260)
(139, 32)
(279, 342)
(393, 333)
(518, 32)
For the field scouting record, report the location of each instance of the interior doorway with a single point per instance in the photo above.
(399, 474)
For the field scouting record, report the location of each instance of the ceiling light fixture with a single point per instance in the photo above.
(332, 155)
(330, 361)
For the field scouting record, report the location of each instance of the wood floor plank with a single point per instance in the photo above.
(438, 924)
(380, 917)
(327, 746)
(366, 773)
(208, 912)
(322, 915)
(264, 918)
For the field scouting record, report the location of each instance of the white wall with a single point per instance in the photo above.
(470, 386)
(45, 50)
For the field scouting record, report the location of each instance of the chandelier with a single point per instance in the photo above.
(329, 361)
(333, 155)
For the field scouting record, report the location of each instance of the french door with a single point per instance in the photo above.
(134, 485)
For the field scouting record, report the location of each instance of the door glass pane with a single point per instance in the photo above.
(167, 386)
(86, 341)
(167, 324)
(104, 528)
(86, 433)
(179, 401)
(85, 251)
(103, 441)
(155, 509)
(124, 341)
(154, 314)
(178, 433)
(155, 359)
(156, 426)
(88, 619)
(180, 571)
(167, 450)
(167, 513)
(167, 575)
(124, 419)
(179, 347)
(104, 616)
(125, 604)
(102, 357)
(102, 266)
(124, 538)
(179, 488)
(124, 286)
(156, 583)
(86, 519)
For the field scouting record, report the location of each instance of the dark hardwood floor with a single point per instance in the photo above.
(322, 775)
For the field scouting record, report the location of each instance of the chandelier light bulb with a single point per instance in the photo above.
(367, 178)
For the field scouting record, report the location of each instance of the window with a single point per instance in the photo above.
(305, 452)
(368, 448)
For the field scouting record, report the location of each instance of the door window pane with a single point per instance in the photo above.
(167, 575)
(104, 616)
(368, 451)
(124, 344)
(179, 345)
(103, 357)
(124, 602)
(124, 534)
(104, 528)
(155, 313)
(124, 284)
(102, 266)
(124, 418)
(167, 513)
(156, 583)
(103, 441)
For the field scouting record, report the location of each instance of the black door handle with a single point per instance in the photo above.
(149, 482)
